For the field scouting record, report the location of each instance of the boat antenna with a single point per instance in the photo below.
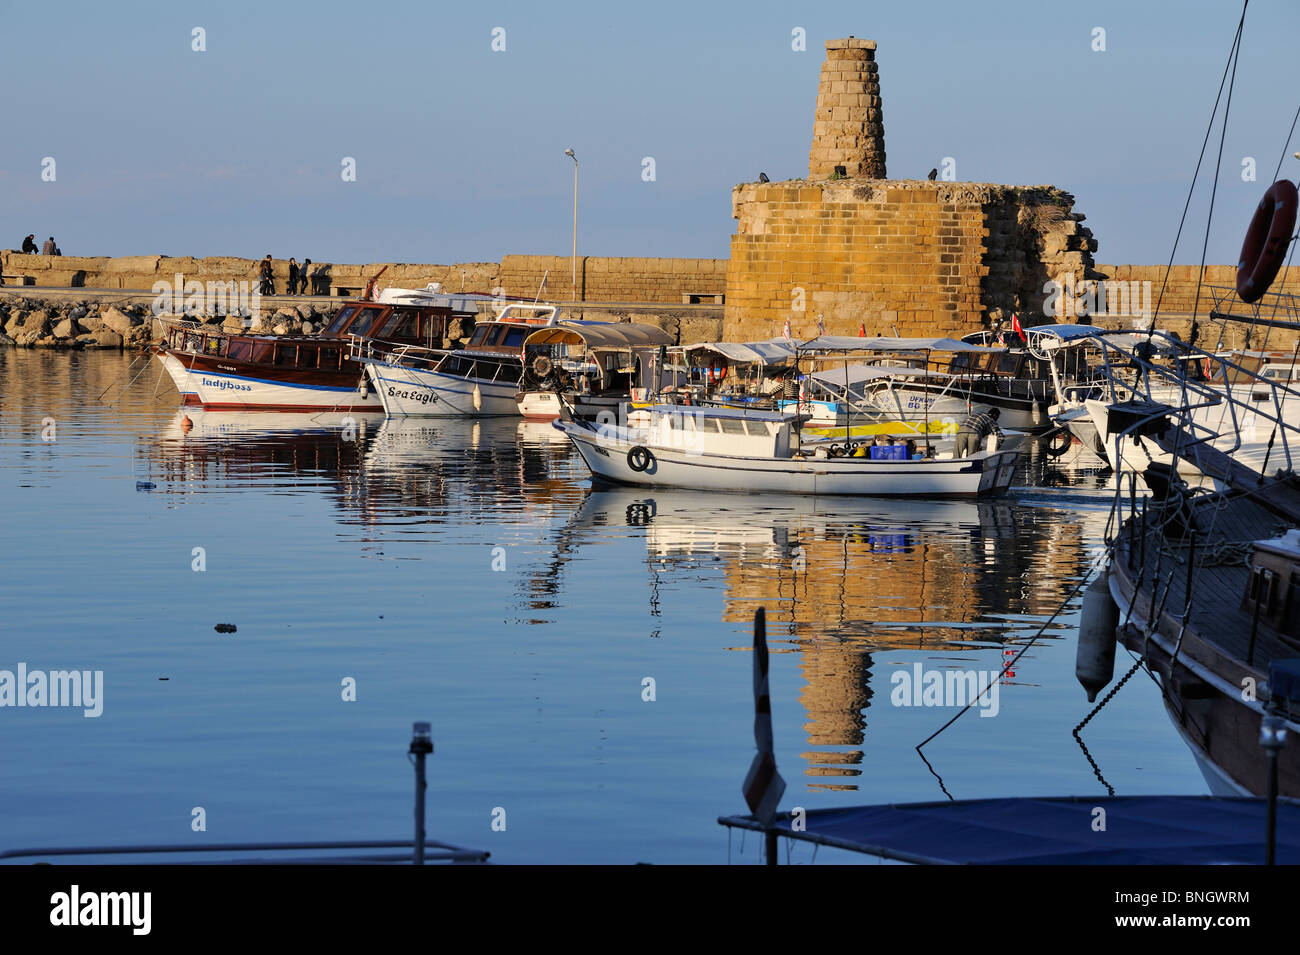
(541, 287)
(370, 286)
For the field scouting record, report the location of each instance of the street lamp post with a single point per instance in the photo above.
(569, 152)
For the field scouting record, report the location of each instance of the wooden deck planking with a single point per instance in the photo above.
(1217, 590)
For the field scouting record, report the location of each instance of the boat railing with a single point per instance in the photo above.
(195, 338)
(1272, 310)
(1240, 390)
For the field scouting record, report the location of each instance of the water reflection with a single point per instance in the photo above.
(844, 580)
(379, 472)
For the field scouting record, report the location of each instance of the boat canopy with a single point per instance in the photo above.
(595, 335)
(705, 411)
(775, 351)
(431, 294)
(1140, 830)
(845, 343)
(1050, 337)
(1066, 333)
(856, 374)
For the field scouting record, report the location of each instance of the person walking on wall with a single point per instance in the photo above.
(302, 276)
(293, 276)
(973, 431)
(267, 278)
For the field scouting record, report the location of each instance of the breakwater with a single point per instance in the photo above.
(84, 318)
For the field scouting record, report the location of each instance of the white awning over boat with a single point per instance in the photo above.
(600, 335)
(857, 374)
(845, 343)
(772, 352)
(707, 411)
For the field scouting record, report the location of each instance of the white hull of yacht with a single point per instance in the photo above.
(220, 391)
(418, 392)
(916, 404)
(1239, 430)
(606, 453)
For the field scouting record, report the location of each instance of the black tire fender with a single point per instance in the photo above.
(640, 458)
(1059, 443)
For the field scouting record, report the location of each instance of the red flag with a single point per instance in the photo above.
(862, 330)
(1017, 327)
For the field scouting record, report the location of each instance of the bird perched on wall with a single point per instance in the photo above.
(934, 174)
(762, 177)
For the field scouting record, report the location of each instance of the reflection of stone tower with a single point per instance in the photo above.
(847, 129)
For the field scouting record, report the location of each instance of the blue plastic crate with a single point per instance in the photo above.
(889, 452)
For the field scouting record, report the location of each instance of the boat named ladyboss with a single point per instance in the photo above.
(726, 449)
(245, 372)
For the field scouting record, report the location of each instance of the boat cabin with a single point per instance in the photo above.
(744, 433)
(1273, 587)
(367, 325)
(593, 358)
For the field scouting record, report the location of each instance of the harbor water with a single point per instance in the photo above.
(583, 655)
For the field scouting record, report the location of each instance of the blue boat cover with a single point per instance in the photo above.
(1139, 830)
(1284, 679)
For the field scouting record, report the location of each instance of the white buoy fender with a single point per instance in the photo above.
(478, 398)
(364, 387)
(1037, 415)
(1094, 662)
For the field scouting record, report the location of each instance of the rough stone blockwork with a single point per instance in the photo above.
(905, 257)
(857, 250)
(600, 279)
(848, 128)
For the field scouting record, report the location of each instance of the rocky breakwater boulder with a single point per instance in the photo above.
(32, 323)
(37, 323)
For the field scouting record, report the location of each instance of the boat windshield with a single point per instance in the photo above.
(342, 318)
(362, 323)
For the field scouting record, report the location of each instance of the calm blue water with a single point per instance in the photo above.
(370, 556)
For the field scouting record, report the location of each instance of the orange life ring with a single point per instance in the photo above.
(1267, 240)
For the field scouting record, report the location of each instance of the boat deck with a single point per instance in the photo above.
(1225, 530)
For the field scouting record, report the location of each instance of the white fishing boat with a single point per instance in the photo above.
(590, 368)
(724, 449)
(479, 380)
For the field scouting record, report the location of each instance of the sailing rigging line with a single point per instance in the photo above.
(1102, 556)
(1196, 174)
(1218, 162)
(1286, 146)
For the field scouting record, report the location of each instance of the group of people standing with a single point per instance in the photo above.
(298, 277)
(29, 246)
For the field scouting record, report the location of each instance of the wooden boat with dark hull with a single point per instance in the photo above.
(1208, 592)
(217, 370)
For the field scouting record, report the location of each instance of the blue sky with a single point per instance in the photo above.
(459, 149)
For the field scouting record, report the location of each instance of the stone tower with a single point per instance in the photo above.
(847, 129)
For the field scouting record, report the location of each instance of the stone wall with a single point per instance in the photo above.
(905, 257)
(600, 279)
(1180, 297)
